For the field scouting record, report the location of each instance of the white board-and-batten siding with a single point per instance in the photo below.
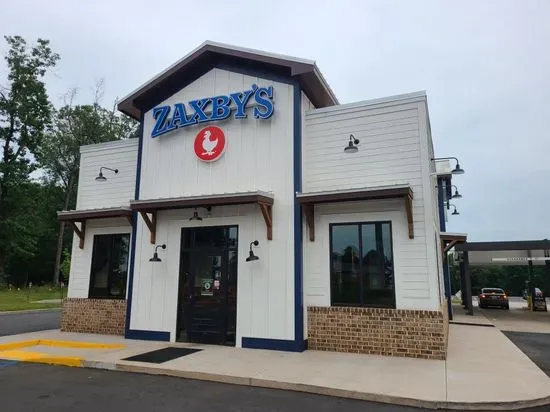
(119, 188)
(116, 191)
(81, 259)
(258, 156)
(393, 150)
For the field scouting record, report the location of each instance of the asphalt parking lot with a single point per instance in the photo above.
(14, 323)
(35, 387)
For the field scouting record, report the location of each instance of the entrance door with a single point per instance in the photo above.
(208, 285)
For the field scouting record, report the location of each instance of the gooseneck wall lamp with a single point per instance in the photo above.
(456, 195)
(100, 177)
(457, 170)
(352, 145)
(455, 212)
(155, 257)
(196, 214)
(251, 256)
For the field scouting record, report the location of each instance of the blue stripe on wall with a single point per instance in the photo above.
(147, 335)
(298, 227)
(442, 227)
(128, 333)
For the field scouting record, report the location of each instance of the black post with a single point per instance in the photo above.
(547, 277)
(462, 283)
(468, 282)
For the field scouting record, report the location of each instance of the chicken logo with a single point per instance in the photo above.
(209, 144)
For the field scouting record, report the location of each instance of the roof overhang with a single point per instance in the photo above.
(450, 240)
(151, 207)
(310, 199)
(508, 253)
(81, 216)
(210, 55)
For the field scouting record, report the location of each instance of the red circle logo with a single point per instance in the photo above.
(209, 144)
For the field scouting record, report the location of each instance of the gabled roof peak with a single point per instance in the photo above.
(210, 54)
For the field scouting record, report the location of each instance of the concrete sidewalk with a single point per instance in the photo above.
(484, 370)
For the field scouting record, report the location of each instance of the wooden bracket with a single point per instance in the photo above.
(408, 207)
(449, 246)
(151, 224)
(267, 212)
(80, 232)
(309, 210)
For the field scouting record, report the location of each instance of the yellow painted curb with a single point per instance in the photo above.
(37, 357)
(17, 345)
(60, 344)
(82, 345)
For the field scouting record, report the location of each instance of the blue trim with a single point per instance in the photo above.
(298, 226)
(298, 344)
(264, 74)
(274, 344)
(128, 332)
(147, 335)
(440, 205)
(442, 227)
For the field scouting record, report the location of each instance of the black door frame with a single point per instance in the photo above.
(224, 304)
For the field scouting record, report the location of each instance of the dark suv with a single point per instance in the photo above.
(493, 297)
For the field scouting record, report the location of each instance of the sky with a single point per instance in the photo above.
(485, 66)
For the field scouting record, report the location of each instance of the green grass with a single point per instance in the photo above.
(14, 299)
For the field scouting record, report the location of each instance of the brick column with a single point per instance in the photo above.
(104, 316)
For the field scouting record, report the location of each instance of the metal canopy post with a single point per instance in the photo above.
(468, 284)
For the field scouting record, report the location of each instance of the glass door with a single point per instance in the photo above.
(208, 285)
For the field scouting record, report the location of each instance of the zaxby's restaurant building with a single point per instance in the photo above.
(255, 210)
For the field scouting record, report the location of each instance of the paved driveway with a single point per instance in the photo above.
(534, 345)
(83, 390)
(14, 323)
(518, 318)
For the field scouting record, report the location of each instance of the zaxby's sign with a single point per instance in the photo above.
(168, 118)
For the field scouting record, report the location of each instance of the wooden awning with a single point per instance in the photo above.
(309, 200)
(148, 208)
(81, 216)
(449, 240)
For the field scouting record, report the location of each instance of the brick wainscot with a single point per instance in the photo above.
(376, 331)
(104, 316)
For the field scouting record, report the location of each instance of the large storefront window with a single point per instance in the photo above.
(109, 266)
(361, 272)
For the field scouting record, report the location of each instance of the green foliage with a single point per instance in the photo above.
(66, 264)
(510, 278)
(25, 113)
(74, 127)
(30, 254)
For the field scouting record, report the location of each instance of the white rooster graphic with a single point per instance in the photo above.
(209, 145)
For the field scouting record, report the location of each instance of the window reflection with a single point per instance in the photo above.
(109, 266)
(362, 264)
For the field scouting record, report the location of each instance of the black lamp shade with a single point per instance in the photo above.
(351, 148)
(155, 258)
(100, 177)
(195, 216)
(455, 212)
(457, 195)
(458, 170)
(252, 257)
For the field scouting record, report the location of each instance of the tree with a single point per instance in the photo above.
(25, 113)
(75, 126)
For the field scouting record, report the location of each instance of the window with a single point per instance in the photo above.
(109, 266)
(361, 260)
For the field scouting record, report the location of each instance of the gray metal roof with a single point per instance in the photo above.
(204, 57)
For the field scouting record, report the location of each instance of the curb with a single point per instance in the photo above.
(22, 312)
(126, 366)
